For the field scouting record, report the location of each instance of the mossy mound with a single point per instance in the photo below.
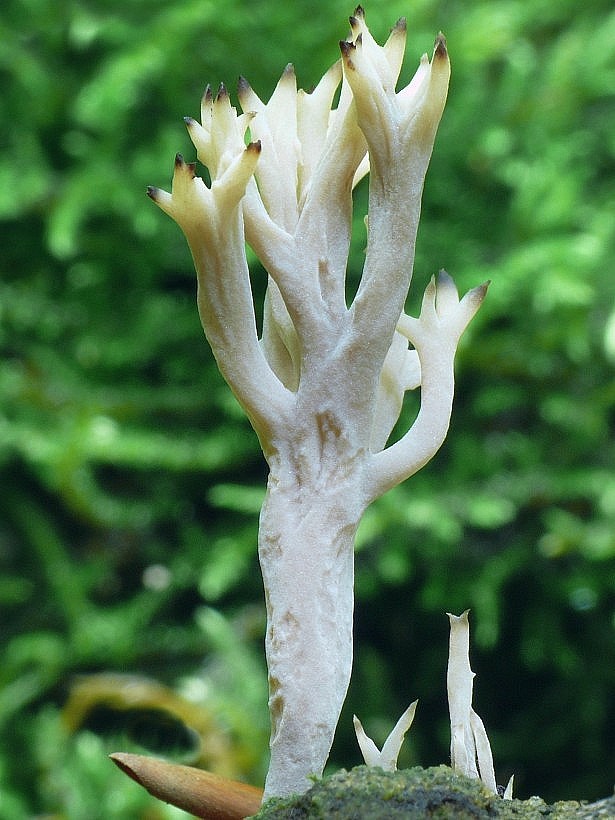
(414, 794)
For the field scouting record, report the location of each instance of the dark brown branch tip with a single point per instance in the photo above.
(243, 86)
(400, 25)
(222, 94)
(477, 294)
(182, 165)
(254, 147)
(347, 49)
(207, 95)
(190, 122)
(484, 287)
(359, 12)
(440, 46)
(152, 192)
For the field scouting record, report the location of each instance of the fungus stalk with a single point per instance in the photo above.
(324, 385)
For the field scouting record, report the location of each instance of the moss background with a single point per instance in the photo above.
(131, 612)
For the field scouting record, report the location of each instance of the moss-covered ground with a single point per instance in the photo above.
(416, 793)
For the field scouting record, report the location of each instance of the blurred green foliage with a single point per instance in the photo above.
(131, 482)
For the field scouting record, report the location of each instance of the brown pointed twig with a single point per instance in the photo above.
(201, 793)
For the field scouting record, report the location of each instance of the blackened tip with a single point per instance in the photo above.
(440, 46)
(181, 164)
(400, 25)
(478, 293)
(359, 12)
(222, 92)
(152, 192)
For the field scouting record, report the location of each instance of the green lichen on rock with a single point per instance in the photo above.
(370, 792)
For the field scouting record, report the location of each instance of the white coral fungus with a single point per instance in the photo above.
(386, 757)
(470, 748)
(324, 384)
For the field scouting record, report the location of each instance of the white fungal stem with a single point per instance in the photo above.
(470, 749)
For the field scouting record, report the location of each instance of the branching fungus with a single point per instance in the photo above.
(324, 385)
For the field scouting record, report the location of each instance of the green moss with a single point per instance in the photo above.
(412, 793)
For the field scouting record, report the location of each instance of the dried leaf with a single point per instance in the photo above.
(201, 793)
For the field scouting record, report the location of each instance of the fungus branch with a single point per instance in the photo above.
(470, 748)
